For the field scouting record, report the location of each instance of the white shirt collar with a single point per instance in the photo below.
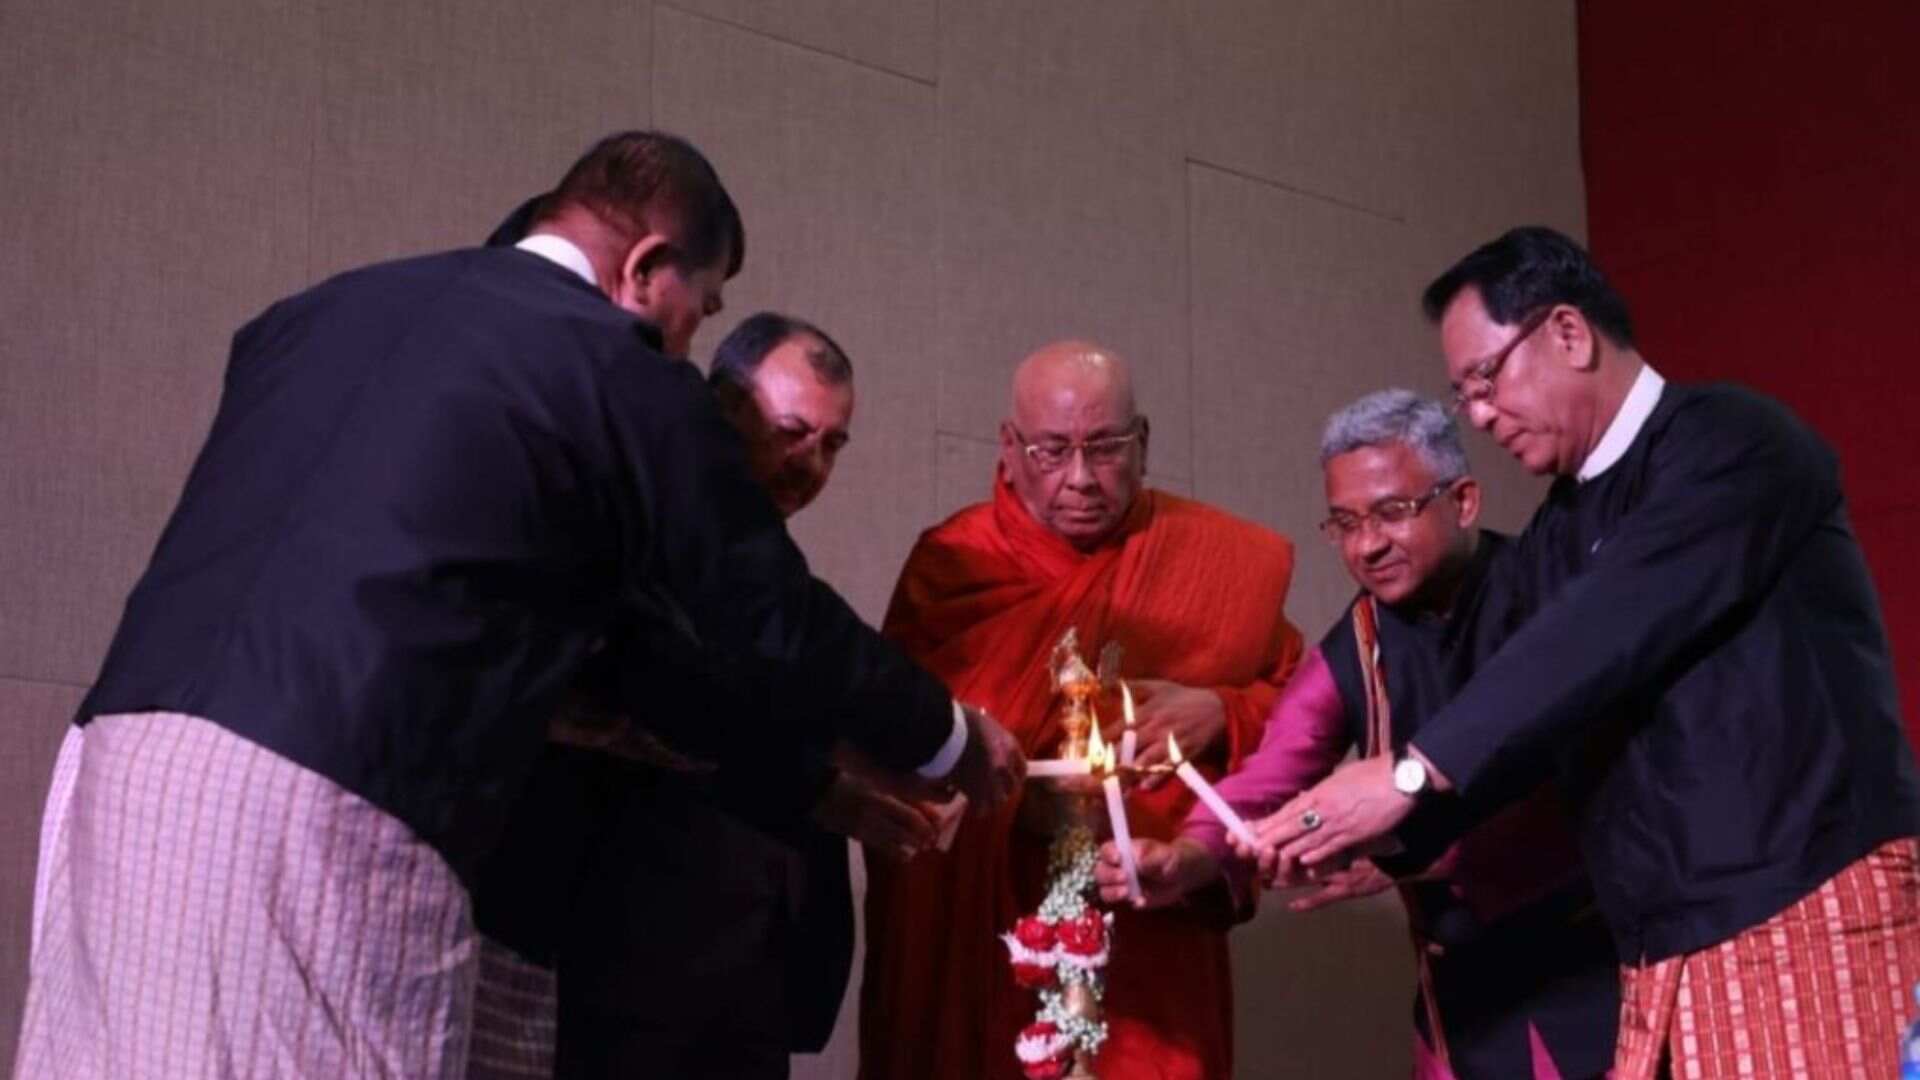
(1626, 425)
(561, 250)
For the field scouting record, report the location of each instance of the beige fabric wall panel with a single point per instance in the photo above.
(892, 35)
(1326, 994)
(437, 117)
(1453, 113)
(36, 714)
(259, 35)
(832, 164)
(1061, 202)
(968, 467)
(1309, 94)
(154, 200)
(1495, 136)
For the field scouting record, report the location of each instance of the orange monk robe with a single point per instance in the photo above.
(1194, 596)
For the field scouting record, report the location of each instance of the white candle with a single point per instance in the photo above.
(1122, 836)
(1058, 767)
(1130, 738)
(1191, 777)
(1215, 803)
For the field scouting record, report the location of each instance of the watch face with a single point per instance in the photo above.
(1409, 776)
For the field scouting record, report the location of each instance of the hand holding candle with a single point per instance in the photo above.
(1191, 777)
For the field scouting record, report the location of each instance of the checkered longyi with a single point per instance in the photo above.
(1823, 989)
(207, 908)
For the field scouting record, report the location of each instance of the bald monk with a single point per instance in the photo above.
(1071, 538)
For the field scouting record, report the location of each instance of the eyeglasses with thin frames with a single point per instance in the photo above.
(1394, 510)
(1478, 383)
(1053, 455)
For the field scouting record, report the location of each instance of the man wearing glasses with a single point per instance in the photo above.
(1706, 669)
(1516, 971)
(1071, 539)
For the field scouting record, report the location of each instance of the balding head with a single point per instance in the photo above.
(1075, 376)
(1074, 449)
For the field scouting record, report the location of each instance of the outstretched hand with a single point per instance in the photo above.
(991, 767)
(881, 823)
(1357, 879)
(1335, 818)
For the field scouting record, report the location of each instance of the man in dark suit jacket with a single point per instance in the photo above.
(784, 942)
(432, 490)
(686, 870)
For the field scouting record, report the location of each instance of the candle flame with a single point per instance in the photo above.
(1100, 755)
(1126, 702)
(1173, 750)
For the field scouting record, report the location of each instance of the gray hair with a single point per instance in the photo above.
(1398, 416)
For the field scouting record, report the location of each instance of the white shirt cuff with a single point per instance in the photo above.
(943, 762)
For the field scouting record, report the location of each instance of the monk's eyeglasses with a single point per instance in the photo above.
(1053, 455)
(1477, 384)
(1396, 510)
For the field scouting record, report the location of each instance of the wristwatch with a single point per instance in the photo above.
(1410, 776)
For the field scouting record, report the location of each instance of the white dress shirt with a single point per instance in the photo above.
(1626, 425)
(561, 250)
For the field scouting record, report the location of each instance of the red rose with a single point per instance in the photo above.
(1054, 1065)
(1085, 935)
(1034, 932)
(1034, 976)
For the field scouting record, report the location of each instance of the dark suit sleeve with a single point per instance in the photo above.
(708, 535)
(725, 711)
(1735, 486)
(777, 795)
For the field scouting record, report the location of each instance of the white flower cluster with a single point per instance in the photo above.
(1086, 1034)
(1069, 874)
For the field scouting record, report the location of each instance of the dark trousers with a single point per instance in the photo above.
(675, 955)
(630, 1046)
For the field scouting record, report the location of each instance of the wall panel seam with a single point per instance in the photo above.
(815, 49)
(1193, 361)
(1306, 193)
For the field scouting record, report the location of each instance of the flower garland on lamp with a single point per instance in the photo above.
(1061, 950)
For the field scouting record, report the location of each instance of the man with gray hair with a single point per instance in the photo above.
(1516, 975)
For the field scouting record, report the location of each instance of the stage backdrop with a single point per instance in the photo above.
(1750, 181)
(1244, 196)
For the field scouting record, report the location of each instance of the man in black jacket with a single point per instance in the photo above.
(680, 921)
(432, 489)
(1706, 666)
